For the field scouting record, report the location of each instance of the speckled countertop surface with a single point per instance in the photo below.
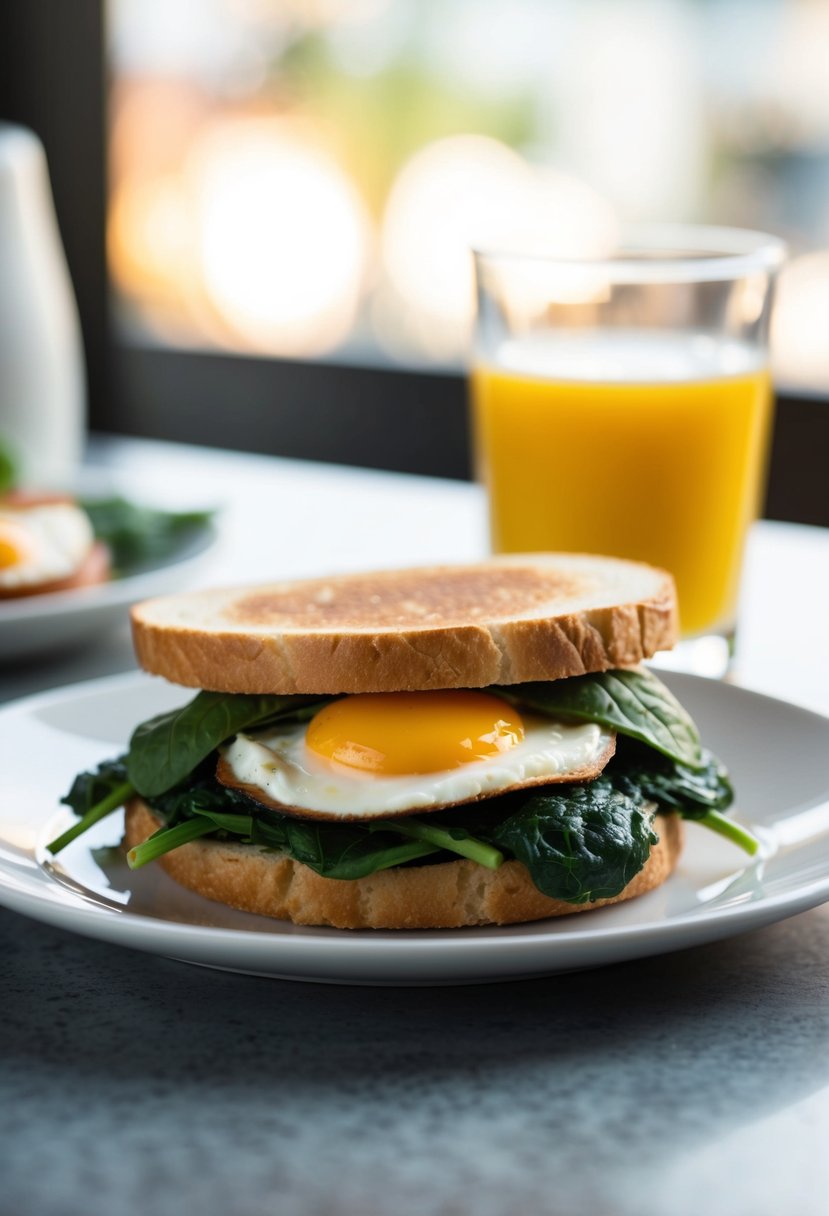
(693, 1083)
(697, 1082)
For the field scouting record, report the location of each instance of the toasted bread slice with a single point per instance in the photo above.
(539, 616)
(448, 895)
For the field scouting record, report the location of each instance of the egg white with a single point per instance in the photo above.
(56, 538)
(279, 766)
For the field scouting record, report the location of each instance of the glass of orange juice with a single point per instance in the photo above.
(624, 406)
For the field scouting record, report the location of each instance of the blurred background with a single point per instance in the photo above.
(267, 205)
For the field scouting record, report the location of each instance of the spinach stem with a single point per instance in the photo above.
(99, 811)
(165, 839)
(468, 846)
(731, 830)
(403, 853)
(205, 822)
(238, 825)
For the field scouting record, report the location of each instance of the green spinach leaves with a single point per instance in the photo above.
(586, 842)
(580, 843)
(165, 750)
(635, 703)
(137, 535)
(93, 796)
(693, 792)
(334, 850)
(8, 467)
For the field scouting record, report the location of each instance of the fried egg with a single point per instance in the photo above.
(41, 542)
(379, 754)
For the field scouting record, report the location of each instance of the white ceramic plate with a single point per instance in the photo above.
(776, 753)
(42, 624)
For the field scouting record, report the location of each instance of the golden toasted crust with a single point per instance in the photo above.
(540, 616)
(446, 896)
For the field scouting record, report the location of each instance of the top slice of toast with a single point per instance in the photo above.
(537, 616)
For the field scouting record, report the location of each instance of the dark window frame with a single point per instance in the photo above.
(53, 78)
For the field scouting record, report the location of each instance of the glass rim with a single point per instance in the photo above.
(692, 253)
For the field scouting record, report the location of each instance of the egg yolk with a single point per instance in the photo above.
(393, 733)
(15, 546)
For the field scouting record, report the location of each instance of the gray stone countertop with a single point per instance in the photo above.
(695, 1082)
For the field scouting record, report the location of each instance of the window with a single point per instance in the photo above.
(303, 179)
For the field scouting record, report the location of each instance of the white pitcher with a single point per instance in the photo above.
(42, 377)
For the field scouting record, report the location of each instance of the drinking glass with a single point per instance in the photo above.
(623, 406)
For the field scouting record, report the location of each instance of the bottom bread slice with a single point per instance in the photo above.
(448, 895)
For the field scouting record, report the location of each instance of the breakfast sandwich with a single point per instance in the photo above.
(47, 543)
(427, 748)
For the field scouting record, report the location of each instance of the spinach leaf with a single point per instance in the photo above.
(333, 850)
(699, 794)
(167, 748)
(201, 793)
(137, 535)
(8, 467)
(342, 850)
(93, 796)
(634, 703)
(88, 789)
(693, 792)
(586, 842)
(580, 843)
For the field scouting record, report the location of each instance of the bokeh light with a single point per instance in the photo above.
(282, 234)
(800, 330)
(467, 192)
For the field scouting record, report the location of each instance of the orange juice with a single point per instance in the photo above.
(667, 470)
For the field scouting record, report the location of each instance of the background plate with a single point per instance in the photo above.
(43, 624)
(775, 751)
